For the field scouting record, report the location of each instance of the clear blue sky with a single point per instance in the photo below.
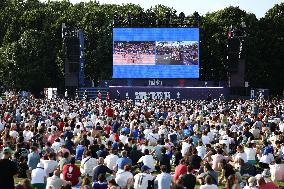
(258, 7)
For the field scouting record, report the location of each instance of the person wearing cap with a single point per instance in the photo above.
(251, 184)
(8, 169)
(141, 180)
(38, 177)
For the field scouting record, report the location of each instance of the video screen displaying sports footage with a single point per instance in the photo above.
(155, 53)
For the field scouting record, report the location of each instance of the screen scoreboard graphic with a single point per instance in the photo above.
(155, 53)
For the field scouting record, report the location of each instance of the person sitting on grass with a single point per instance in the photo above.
(208, 183)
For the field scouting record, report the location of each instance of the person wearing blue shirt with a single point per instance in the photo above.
(33, 158)
(124, 160)
(115, 126)
(79, 151)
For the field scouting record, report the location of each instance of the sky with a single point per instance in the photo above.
(258, 7)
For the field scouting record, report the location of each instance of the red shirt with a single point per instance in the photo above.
(107, 129)
(51, 138)
(116, 137)
(71, 173)
(180, 170)
(269, 185)
(109, 112)
(61, 125)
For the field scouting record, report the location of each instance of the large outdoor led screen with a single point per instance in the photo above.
(155, 53)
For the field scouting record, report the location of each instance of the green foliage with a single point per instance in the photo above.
(31, 42)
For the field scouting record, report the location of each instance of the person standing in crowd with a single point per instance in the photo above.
(33, 158)
(8, 169)
(38, 177)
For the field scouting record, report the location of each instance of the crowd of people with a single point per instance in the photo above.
(163, 144)
(177, 52)
(134, 51)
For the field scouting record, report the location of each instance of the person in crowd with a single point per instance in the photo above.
(148, 160)
(87, 164)
(50, 165)
(277, 170)
(55, 181)
(208, 183)
(71, 172)
(208, 171)
(124, 179)
(38, 177)
(251, 183)
(25, 184)
(100, 183)
(262, 184)
(180, 170)
(101, 169)
(112, 184)
(163, 180)
(188, 179)
(165, 159)
(141, 180)
(124, 160)
(8, 169)
(33, 158)
(232, 182)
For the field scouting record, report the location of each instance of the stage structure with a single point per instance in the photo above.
(156, 63)
(73, 51)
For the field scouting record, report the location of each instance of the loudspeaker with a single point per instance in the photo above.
(72, 60)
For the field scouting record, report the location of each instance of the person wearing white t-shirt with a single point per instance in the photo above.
(251, 153)
(27, 134)
(184, 148)
(124, 178)
(38, 176)
(56, 145)
(201, 150)
(205, 138)
(88, 164)
(147, 160)
(141, 179)
(123, 138)
(153, 137)
(110, 160)
(241, 154)
(208, 183)
(50, 164)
